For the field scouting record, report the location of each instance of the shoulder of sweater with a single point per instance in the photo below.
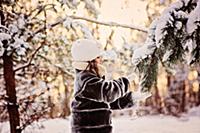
(85, 75)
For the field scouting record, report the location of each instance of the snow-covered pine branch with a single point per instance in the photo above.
(172, 38)
(145, 59)
(193, 31)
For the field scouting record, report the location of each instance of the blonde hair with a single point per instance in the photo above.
(93, 67)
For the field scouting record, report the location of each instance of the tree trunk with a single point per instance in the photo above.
(9, 77)
(158, 100)
(198, 102)
(66, 100)
(183, 97)
(65, 104)
(198, 93)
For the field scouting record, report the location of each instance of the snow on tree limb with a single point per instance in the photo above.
(148, 48)
(193, 19)
(69, 19)
(91, 7)
(175, 35)
(112, 24)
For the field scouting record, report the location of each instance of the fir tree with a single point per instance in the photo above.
(173, 38)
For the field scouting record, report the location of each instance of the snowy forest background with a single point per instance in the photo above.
(36, 75)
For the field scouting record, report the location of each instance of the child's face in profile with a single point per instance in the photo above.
(99, 60)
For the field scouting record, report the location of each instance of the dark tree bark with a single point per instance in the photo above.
(183, 97)
(65, 103)
(198, 102)
(198, 93)
(9, 77)
(11, 93)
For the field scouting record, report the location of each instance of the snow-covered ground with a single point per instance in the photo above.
(157, 124)
(190, 123)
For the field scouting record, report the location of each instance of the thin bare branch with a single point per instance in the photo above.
(4, 27)
(48, 26)
(113, 24)
(30, 60)
(39, 9)
(34, 117)
(59, 67)
(65, 72)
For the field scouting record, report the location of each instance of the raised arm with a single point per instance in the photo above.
(126, 101)
(101, 90)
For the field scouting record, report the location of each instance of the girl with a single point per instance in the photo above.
(94, 96)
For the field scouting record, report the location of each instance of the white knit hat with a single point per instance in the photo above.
(85, 50)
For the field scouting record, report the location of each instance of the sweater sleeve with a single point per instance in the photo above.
(124, 102)
(101, 90)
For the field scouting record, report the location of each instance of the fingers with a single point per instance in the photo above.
(131, 77)
(141, 96)
(147, 95)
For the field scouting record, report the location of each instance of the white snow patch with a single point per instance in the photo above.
(156, 124)
(50, 126)
(166, 55)
(89, 4)
(13, 28)
(142, 53)
(193, 19)
(125, 124)
(159, 32)
(4, 36)
(67, 23)
(194, 112)
(109, 55)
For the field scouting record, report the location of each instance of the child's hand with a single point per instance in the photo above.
(131, 77)
(140, 96)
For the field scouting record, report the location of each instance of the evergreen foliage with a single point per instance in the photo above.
(173, 38)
